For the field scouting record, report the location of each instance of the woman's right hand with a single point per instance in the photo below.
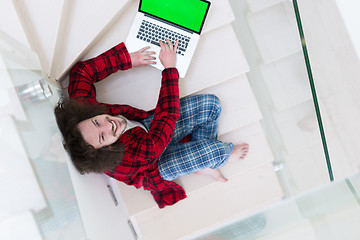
(167, 54)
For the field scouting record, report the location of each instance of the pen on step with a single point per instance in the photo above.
(112, 194)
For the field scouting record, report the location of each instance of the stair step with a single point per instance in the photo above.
(138, 200)
(83, 22)
(11, 104)
(219, 57)
(17, 56)
(214, 205)
(220, 14)
(275, 32)
(8, 14)
(258, 5)
(287, 76)
(282, 216)
(40, 20)
(299, 231)
(259, 149)
(239, 106)
(122, 87)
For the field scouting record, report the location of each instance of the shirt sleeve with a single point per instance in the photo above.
(146, 148)
(85, 73)
(167, 111)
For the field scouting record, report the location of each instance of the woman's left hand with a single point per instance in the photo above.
(142, 57)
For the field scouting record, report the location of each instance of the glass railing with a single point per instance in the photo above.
(268, 33)
(313, 89)
(304, 72)
(332, 55)
(38, 199)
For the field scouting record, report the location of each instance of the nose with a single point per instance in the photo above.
(108, 127)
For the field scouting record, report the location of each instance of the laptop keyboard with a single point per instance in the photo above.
(152, 33)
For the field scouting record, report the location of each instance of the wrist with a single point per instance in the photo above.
(166, 67)
(125, 57)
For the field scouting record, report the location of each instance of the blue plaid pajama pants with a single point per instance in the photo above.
(199, 116)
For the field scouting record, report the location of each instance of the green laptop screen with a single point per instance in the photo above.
(186, 13)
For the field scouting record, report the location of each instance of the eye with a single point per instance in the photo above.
(96, 123)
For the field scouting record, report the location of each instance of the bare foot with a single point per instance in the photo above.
(214, 173)
(240, 151)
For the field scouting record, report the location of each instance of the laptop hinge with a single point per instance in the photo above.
(170, 23)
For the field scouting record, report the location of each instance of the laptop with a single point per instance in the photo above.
(156, 20)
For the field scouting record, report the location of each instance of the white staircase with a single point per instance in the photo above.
(66, 31)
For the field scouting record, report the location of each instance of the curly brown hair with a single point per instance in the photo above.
(69, 112)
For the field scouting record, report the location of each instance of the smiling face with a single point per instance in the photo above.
(102, 130)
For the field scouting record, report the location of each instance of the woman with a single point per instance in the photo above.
(144, 149)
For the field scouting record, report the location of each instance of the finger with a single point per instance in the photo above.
(150, 58)
(176, 45)
(148, 61)
(162, 45)
(165, 46)
(144, 49)
(150, 53)
(170, 44)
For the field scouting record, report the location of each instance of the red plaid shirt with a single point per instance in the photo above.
(142, 150)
